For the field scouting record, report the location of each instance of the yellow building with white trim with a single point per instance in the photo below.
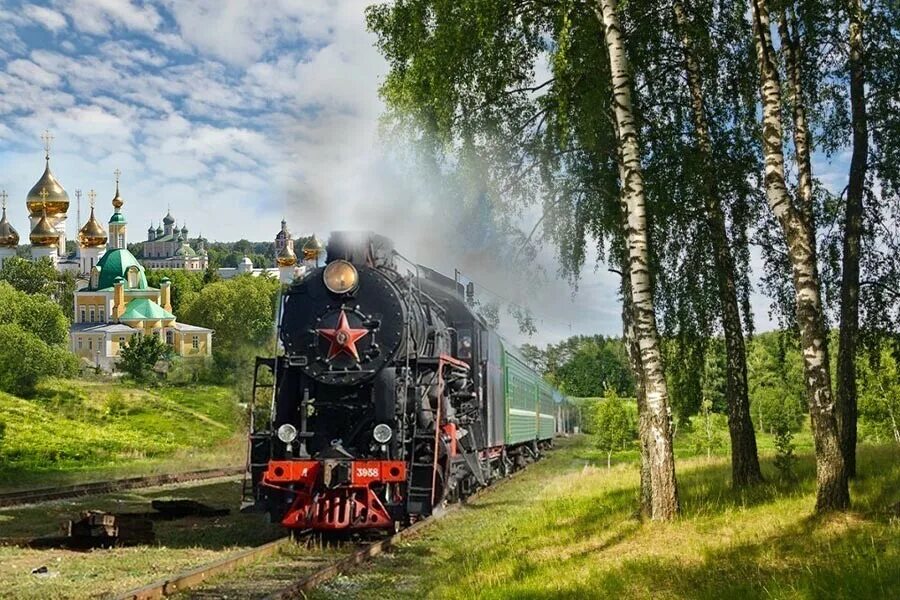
(117, 303)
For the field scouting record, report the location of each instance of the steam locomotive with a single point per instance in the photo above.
(391, 396)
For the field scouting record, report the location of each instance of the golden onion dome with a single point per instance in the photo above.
(312, 248)
(117, 201)
(92, 234)
(44, 234)
(9, 237)
(286, 257)
(47, 193)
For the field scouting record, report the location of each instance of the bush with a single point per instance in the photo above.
(707, 431)
(141, 353)
(612, 425)
(190, 370)
(35, 314)
(784, 446)
(25, 359)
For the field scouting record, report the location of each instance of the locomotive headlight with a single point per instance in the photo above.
(340, 277)
(382, 433)
(287, 433)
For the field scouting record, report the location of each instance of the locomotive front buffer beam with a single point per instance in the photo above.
(337, 494)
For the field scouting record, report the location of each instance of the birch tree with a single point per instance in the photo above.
(744, 459)
(850, 258)
(664, 500)
(795, 218)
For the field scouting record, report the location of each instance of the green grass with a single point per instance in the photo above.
(74, 430)
(567, 529)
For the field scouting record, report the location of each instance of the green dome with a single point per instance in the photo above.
(115, 264)
(186, 251)
(118, 218)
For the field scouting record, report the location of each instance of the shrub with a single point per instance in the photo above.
(612, 425)
(782, 424)
(25, 359)
(140, 353)
(707, 430)
(35, 314)
(189, 370)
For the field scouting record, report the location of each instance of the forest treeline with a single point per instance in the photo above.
(594, 366)
(673, 136)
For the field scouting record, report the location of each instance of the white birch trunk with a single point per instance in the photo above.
(797, 227)
(664, 501)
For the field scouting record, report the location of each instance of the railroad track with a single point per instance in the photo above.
(297, 590)
(103, 487)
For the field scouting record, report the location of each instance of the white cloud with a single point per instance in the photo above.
(29, 71)
(45, 17)
(99, 17)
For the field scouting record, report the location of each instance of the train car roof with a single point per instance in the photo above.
(454, 291)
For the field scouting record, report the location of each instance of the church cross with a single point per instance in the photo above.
(47, 139)
(117, 173)
(92, 195)
(3, 197)
(43, 194)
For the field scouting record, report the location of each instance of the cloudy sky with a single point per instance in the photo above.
(233, 113)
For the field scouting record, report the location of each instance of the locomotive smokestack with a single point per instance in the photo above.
(360, 248)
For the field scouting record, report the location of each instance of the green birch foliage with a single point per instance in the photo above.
(522, 88)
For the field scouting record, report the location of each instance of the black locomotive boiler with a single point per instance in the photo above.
(390, 397)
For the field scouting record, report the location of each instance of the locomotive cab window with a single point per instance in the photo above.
(464, 344)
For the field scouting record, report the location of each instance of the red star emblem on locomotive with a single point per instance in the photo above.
(343, 339)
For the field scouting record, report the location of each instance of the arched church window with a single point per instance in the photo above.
(95, 277)
(133, 277)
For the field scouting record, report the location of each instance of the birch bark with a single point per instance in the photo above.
(645, 439)
(664, 501)
(832, 490)
(744, 457)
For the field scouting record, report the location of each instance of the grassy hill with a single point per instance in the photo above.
(74, 429)
(565, 528)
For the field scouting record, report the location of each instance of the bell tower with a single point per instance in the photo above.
(118, 226)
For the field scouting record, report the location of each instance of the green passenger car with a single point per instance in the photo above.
(530, 406)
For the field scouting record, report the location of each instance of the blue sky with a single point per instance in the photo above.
(233, 113)
(228, 111)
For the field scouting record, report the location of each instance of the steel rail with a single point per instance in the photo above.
(199, 575)
(35, 496)
(298, 590)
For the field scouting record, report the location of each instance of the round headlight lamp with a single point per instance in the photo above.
(287, 433)
(340, 277)
(382, 433)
